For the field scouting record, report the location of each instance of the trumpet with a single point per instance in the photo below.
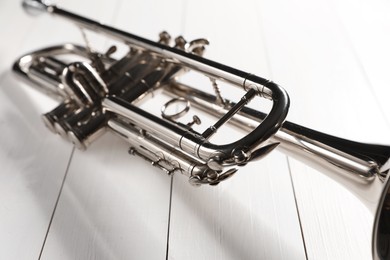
(98, 92)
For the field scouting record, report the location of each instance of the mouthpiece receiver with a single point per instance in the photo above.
(35, 7)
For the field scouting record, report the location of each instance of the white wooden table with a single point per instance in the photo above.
(333, 58)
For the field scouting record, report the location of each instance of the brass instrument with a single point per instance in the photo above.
(98, 92)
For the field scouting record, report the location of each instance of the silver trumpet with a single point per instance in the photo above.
(98, 92)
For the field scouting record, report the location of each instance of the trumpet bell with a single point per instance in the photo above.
(381, 234)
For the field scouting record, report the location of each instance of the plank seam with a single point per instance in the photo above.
(297, 207)
(56, 203)
(270, 72)
(169, 216)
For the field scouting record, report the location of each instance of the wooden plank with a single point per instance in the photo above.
(310, 54)
(32, 163)
(115, 206)
(252, 215)
(322, 58)
(366, 25)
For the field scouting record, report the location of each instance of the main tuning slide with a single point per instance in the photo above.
(99, 91)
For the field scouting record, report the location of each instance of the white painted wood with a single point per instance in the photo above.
(331, 56)
(115, 206)
(366, 25)
(32, 165)
(33, 161)
(312, 55)
(253, 215)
